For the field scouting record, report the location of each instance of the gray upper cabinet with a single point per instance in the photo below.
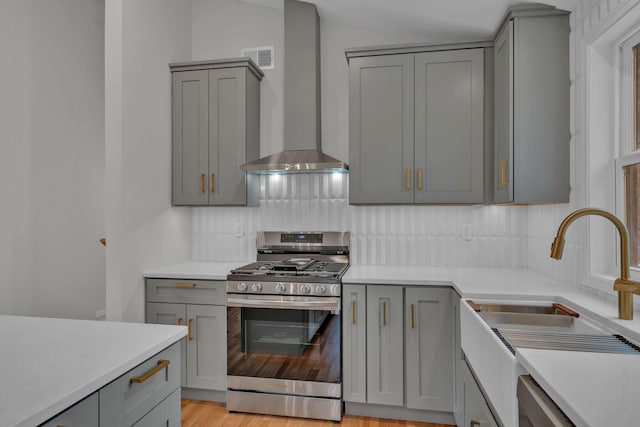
(216, 128)
(381, 129)
(416, 127)
(532, 106)
(449, 126)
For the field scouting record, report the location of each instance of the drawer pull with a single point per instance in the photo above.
(185, 285)
(179, 321)
(420, 179)
(408, 179)
(212, 183)
(161, 365)
(353, 312)
(413, 323)
(189, 337)
(503, 173)
(202, 183)
(384, 313)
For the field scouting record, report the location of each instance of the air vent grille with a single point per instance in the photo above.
(262, 56)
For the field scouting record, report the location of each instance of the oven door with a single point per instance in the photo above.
(284, 344)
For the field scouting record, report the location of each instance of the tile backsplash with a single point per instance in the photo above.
(393, 235)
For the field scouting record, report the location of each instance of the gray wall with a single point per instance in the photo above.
(52, 158)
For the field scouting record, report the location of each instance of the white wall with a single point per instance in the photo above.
(52, 158)
(143, 230)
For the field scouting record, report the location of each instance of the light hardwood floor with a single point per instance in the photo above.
(197, 413)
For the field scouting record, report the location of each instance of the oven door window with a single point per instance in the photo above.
(284, 344)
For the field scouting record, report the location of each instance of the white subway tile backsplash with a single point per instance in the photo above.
(391, 235)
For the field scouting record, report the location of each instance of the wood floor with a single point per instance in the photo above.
(197, 413)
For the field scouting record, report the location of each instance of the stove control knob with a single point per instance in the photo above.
(321, 290)
(305, 289)
(241, 287)
(280, 288)
(256, 287)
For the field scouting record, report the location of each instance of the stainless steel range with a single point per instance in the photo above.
(283, 326)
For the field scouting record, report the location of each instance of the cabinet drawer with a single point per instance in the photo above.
(82, 414)
(187, 291)
(165, 414)
(123, 402)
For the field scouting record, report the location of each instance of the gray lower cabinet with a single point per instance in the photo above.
(476, 410)
(215, 129)
(398, 346)
(83, 414)
(416, 127)
(201, 305)
(531, 157)
(149, 394)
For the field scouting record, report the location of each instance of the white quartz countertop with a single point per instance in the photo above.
(592, 389)
(47, 364)
(196, 270)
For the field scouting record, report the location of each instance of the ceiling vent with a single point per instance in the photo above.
(263, 56)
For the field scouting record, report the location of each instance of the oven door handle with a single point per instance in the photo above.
(325, 303)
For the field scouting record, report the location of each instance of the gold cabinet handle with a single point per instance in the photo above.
(474, 423)
(185, 285)
(202, 183)
(503, 173)
(189, 337)
(413, 323)
(179, 321)
(384, 313)
(353, 312)
(211, 183)
(161, 365)
(420, 179)
(408, 179)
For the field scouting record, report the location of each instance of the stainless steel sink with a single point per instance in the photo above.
(551, 327)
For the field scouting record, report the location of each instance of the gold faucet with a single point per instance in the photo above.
(625, 287)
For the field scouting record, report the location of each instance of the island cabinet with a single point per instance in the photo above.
(417, 126)
(201, 306)
(398, 350)
(532, 106)
(215, 129)
(85, 413)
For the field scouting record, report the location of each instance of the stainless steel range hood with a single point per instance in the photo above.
(302, 124)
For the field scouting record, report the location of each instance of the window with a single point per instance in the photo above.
(629, 150)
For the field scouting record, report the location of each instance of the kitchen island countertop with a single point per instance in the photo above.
(49, 364)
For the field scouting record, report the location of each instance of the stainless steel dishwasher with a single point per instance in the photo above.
(536, 409)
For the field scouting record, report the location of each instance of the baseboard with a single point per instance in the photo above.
(398, 413)
(201, 394)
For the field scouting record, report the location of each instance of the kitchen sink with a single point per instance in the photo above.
(551, 327)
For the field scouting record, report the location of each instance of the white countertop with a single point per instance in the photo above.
(574, 380)
(49, 364)
(592, 389)
(196, 270)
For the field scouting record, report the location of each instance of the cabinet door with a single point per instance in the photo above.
(503, 125)
(206, 347)
(227, 136)
(190, 137)
(449, 126)
(476, 410)
(171, 314)
(354, 344)
(385, 367)
(83, 414)
(429, 349)
(381, 142)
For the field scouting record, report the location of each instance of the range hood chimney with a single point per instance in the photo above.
(302, 124)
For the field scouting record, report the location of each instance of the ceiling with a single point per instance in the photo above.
(432, 20)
